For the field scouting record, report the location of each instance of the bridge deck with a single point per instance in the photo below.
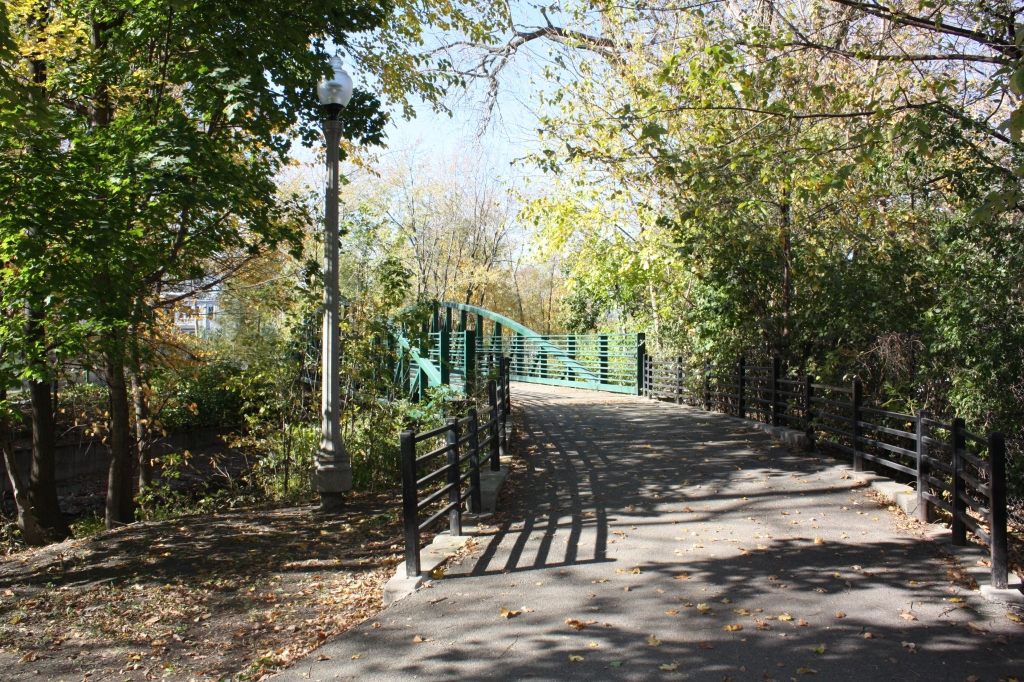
(615, 499)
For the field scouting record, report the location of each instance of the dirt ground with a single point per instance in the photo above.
(228, 596)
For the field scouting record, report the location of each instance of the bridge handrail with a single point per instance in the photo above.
(526, 332)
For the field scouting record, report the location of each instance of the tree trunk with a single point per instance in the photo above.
(140, 401)
(120, 505)
(787, 272)
(31, 533)
(42, 476)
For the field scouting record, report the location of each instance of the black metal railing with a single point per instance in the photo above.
(953, 469)
(462, 447)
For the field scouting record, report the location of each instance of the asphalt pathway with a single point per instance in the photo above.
(648, 541)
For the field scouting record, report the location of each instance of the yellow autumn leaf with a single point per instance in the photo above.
(732, 628)
(806, 671)
(668, 666)
(785, 616)
(574, 658)
(508, 613)
(653, 641)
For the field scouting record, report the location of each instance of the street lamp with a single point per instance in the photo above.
(333, 474)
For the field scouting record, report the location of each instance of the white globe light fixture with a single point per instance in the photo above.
(333, 473)
(336, 91)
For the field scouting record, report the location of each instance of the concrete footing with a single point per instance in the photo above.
(444, 546)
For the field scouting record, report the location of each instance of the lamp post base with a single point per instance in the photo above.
(331, 502)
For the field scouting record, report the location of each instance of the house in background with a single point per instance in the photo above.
(197, 315)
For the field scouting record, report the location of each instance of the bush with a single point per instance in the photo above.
(198, 398)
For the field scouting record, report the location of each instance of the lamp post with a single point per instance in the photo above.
(333, 474)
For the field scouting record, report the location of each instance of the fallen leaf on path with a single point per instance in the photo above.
(419, 639)
(683, 576)
(872, 635)
(615, 664)
(703, 608)
(1014, 617)
(956, 600)
(574, 658)
(819, 541)
(803, 623)
(908, 616)
(508, 613)
(733, 628)
(355, 656)
(977, 628)
(785, 616)
(840, 614)
(806, 671)
(705, 645)
(820, 649)
(742, 612)
(602, 580)
(671, 612)
(322, 657)
(653, 641)
(668, 666)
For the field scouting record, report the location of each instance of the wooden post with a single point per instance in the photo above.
(679, 380)
(959, 505)
(455, 492)
(997, 505)
(410, 513)
(469, 362)
(445, 354)
(641, 357)
(858, 400)
(492, 397)
(808, 411)
(602, 356)
(776, 373)
(741, 403)
(923, 505)
(474, 462)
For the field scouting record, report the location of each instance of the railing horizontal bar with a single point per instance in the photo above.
(429, 522)
(928, 440)
(888, 463)
(431, 434)
(887, 430)
(974, 459)
(891, 415)
(941, 485)
(832, 403)
(823, 387)
(891, 448)
(931, 461)
(432, 475)
(982, 488)
(837, 432)
(427, 501)
(433, 454)
(938, 501)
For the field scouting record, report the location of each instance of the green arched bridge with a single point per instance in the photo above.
(465, 341)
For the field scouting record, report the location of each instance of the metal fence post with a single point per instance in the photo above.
(808, 412)
(776, 373)
(741, 405)
(858, 400)
(959, 505)
(923, 505)
(455, 492)
(469, 362)
(570, 350)
(997, 483)
(445, 352)
(602, 358)
(410, 513)
(492, 396)
(679, 380)
(641, 357)
(707, 385)
(474, 462)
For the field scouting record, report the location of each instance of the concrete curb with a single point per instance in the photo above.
(903, 496)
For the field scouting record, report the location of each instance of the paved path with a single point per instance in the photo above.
(665, 531)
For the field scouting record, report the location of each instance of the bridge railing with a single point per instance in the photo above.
(953, 469)
(441, 467)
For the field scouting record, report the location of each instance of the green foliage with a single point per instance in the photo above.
(200, 396)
